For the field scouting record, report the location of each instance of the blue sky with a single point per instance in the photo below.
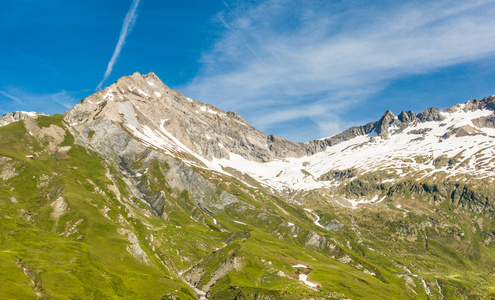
(301, 69)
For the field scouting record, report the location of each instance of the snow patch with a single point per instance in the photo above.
(143, 93)
(127, 110)
(30, 113)
(317, 221)
(380, 200)
(108, 96)
(373, 133)
(206, 109)
(304, 278)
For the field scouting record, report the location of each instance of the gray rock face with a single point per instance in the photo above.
(476, 104)
(333, 225)
(184, 178)
(420, 131)
(383, 125)
(406, 116)
(485, 122)
(431, 114)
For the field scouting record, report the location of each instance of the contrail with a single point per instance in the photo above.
(126, 28)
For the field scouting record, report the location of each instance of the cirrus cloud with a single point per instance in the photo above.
(283, 60)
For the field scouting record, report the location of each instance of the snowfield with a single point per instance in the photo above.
(370, 153)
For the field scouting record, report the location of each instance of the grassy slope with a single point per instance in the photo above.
(90, 263)
(437, 240)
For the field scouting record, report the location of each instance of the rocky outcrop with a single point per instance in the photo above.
(485, 122)
(333, 225)
(346, 135)
(134, 248)
(9, 168)
(52, 136)
(382, 127)
(476, 104)
(431, 114)
(182, 177)
(406, 117)
(8, 118)
(338, 175)
(217, 264)
(490, 239)
(466, 130)
(466, 196)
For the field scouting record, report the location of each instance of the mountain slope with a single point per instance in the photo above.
(140, 192)
(58, 236)
(169, 121)
(78, 229)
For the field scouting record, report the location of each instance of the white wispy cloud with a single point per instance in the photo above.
(129, 20)
(283, 60)
(34, 101)
(12, 97)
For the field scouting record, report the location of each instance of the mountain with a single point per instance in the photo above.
(8, 118)
(140, 192)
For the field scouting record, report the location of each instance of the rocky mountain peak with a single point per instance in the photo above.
(382, 126)
(477, 104)
(431, 114)
(146, 107)
(8, 118)
(406, 116)
(388, 115)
